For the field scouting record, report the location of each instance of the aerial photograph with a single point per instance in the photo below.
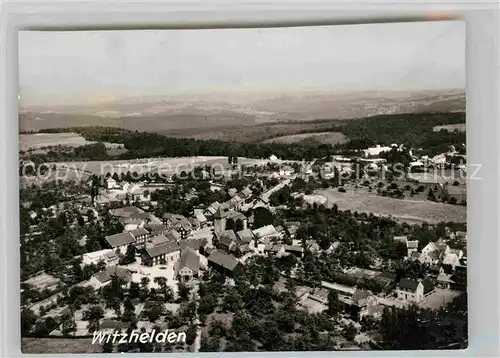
(243, 190)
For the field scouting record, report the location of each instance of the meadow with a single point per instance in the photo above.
(410, 211)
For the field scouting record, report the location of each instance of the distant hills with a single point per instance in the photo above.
(184, 115)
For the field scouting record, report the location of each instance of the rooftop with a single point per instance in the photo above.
(222, 259)
(163, 249)
(189, 259)
(124, 238)
(408, 284)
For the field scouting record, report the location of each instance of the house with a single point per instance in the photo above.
(104, 277)
(205, 246)
(223, 262)
(246, 193)
(211, 210)
(235, 203)
(375, 151)
(451, 259)
(111, 183)
(361, 303)
(107, 256)
(411, 246)
(410, 290)
(433, 251)
(120, 241)
(156, 229)
(277, 249)
(268, 231)
(188, 266)
(202, 219)
(414, 291)
(445, 280)
(162, 254)
(140, 235)
(295, 250)
(245, 236)
(226, 240)
(232, 192)
(195, 223)
(193, 244)
(286, 171)
(179, 223)
(158, 240)
(173, 235)
(430, 258)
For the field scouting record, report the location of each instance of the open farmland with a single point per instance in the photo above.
(44, 140)
(331, 138)
(59, 346)
(258, 132)
(164, 165)
(410, 211)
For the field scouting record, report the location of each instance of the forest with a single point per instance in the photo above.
(412, 130)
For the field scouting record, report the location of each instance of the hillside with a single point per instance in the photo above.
(238, 117)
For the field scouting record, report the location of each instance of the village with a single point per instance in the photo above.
(165, 256)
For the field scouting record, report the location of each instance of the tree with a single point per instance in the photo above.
(129, 255)
(134, 290)
(191, 333)
(164, 289)
(128, 311)
(183, 291)
(431, 196)
(334, 305)
(400, 250)
(188, 311)
(207, 304)
(262, 217)
(107, 347)
(153, 310)
(93, 313)
(68, 324)
(233, 301)
(350, 332)
(28, 319)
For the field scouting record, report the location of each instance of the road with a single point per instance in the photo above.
(197, 340)
(277, 187)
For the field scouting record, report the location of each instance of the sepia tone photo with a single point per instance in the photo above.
(241, 190)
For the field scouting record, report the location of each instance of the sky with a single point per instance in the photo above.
(396, 56)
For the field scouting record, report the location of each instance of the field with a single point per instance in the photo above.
(255, 133)
(451, 127)
(43, 140)
(410, 211)
(59, 346)
(331, 138)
